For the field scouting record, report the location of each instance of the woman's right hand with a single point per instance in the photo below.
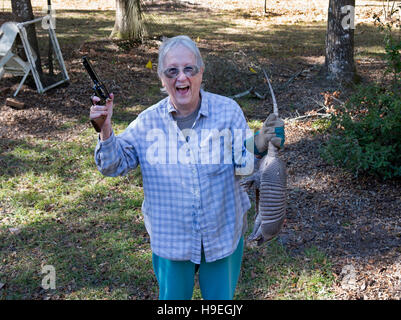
(97, 111)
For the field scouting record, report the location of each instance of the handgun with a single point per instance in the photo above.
(100, 91)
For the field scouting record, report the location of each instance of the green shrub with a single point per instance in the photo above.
(392, 44)
(366, 133)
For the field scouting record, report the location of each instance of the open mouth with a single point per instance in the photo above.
(182, 89)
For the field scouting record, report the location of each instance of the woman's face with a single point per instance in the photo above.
(184, 89)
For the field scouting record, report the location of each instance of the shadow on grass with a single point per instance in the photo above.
(97, 244)
(19, 156)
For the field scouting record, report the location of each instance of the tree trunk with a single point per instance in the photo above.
(129, 23)
(22, 10)
(50, 47)
(339, 63)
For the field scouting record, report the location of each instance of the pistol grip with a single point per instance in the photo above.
(98, 122)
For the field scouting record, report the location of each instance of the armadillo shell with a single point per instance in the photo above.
(273, 220)
(272, 197)
(274, 172)
(267, 198)
(271, 216)
(273, 208)
(270, 210)
(272, 229)
(272, 179)
(268, 195)
(272, 205)
(273, 191)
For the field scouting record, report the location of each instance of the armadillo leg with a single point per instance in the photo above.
(256, 231)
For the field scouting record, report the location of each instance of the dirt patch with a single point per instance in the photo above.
(355, 221)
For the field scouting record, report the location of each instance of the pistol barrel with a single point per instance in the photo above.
(99, 87)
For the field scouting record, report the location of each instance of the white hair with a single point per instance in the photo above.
(169, 43)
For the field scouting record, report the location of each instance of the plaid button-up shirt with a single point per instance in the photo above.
(190, 178)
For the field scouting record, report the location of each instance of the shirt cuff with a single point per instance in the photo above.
(108, 141)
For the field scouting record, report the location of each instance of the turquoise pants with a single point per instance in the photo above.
(217, 280)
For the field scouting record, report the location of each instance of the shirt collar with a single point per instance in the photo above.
(204, 108)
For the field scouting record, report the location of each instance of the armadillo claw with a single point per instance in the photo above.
(246, 184)
(256, 228)
(258, 238)
(255, 236)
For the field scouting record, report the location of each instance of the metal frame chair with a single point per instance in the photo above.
(11, 62)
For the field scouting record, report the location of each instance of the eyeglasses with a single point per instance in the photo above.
(173, 72)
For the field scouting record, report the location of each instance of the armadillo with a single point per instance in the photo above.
(270, 181)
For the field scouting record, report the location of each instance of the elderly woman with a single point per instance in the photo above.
(194, 208)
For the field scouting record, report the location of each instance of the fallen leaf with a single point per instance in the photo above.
(14, 230)
(149, 65)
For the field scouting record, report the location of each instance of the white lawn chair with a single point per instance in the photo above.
(9, 61)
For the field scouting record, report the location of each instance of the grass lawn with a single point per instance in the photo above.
(57, 209)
